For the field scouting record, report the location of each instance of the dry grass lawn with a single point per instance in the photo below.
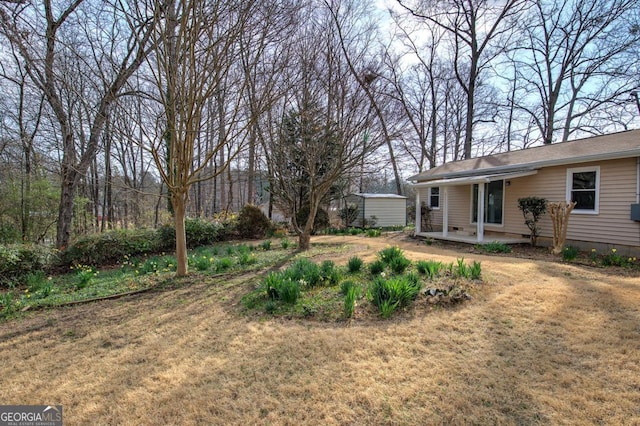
(544, 343)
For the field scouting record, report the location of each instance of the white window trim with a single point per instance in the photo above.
(439, 198)
(569, 188)
(487, 224)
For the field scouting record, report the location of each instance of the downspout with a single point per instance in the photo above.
(638, 180)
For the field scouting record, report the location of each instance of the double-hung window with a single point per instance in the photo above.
(434, 197)
(583, 187)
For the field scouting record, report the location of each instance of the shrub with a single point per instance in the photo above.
(495, 247)
(111, 247)
(246, 259)
(389, 294)
(349, 214)
(532, 208)
(17, 261)
(252, 223)
(199, 232)
(614, 259)
(570, 253)
(354, 264)
(321, 221)
(202, 263)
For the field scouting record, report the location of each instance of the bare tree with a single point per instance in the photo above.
(480, 30)
(45, 37)
(324, 124)
(194, 66)
(576, 61)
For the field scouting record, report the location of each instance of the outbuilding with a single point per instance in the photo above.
(378, 210)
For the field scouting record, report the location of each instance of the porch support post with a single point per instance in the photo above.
(445, 212)
(480, 224)
(418, 212)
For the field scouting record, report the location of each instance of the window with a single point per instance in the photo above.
(583, 185)
(493, 197)
(434, 197)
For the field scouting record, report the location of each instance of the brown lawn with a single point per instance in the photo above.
(544, 343)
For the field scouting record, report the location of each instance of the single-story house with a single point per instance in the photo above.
(476, 200)
(379, 210)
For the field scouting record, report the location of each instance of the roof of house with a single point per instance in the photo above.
(605, 147)
(372, 195)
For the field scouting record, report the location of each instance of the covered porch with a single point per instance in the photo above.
(476, 234)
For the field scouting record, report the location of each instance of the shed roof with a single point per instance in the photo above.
(605, 147)
(372, 195)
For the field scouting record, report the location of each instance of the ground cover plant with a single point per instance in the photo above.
(543, 342)
(135, 273)
(330, 292)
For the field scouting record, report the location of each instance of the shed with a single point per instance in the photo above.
(379, 210)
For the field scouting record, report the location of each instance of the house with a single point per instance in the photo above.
(476, 200)
(379, 210)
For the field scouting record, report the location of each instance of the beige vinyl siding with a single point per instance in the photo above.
(388, 211)
(611, 225)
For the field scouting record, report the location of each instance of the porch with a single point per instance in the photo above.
(472, 239)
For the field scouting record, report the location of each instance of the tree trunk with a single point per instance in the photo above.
(179, 209)
(304, 241)
(65, 209)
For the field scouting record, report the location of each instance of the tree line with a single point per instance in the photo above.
(122, 113)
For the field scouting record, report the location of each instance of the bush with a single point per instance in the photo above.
(389, 294)
(17, 261)
(252, 223)
(373, 233)
(266, 245)
(199, 232)
(354, 264)
(305, 271)
(111, 247)
(321, 222)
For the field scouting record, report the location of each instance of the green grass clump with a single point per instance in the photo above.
(354, 265)
(280, 286)
(387, 255)
(329, 274)
(430, 268)
(390, 293)
(495, 247)
(376, 267)
(350, 298)
(399, 264)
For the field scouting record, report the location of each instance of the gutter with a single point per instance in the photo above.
(532, 165)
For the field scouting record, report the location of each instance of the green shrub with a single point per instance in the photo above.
(111, 247)
(570, 253)
(246, 259)
(252, 223)
(199, 232)
(7, 303)
(399, 264)
(495, 247)
(17, 261)
(614, 259)
(321, 221)
(389, 294)
(355, 231)
(202, 263)
(376, 267)
(354, 264)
